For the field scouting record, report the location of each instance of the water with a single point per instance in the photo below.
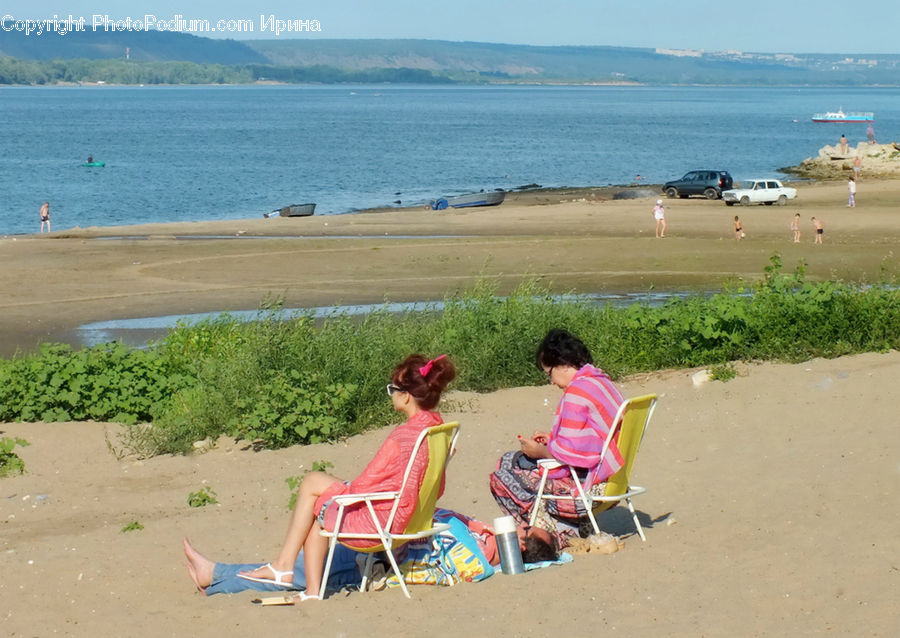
(140, 331)
(198, 153)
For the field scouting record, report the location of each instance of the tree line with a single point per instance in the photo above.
(49, 72)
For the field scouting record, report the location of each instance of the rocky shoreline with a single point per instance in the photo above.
(878, 160)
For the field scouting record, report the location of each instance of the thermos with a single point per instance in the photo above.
(508, 545)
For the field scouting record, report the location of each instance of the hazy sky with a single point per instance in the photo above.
(824, 26)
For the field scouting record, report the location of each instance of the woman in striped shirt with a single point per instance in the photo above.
(583, 418)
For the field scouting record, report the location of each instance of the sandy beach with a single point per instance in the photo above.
(768, 512)
(580, 241)
(769, 497)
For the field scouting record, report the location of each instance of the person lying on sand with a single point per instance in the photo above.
(415, 390)
(212, 577)
(584, 416)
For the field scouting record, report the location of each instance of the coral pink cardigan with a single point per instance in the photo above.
(384, 473)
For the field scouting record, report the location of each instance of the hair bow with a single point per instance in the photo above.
(425, 369)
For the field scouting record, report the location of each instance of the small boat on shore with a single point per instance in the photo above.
(94, 164)
(294, 210)
(844, 118)
(489, 198)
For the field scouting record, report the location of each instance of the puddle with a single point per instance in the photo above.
(242, 236)
(140, 331)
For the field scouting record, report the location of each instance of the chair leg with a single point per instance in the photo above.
(396, 568)
(585, 500)
(367, 570)
(637, 523)
(324, 588)
(538, 497)
(593, 522)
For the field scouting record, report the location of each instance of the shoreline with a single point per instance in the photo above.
(572, 240)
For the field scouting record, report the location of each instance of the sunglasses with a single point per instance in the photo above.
(393, 389)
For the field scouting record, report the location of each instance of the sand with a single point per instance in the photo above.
(52, 283)
(769, 512)
(770, 497)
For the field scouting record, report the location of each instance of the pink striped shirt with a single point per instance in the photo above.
(583, 419)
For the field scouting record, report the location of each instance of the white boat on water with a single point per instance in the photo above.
(840, 116)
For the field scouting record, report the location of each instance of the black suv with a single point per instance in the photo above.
(710, 184)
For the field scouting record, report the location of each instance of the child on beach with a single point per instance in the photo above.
(738, 229)
(851, 186)
(659, 214)
(795, 228)
(819, 230)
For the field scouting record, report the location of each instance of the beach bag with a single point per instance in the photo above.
(445, 559)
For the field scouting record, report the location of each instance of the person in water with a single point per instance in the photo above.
(90, 159)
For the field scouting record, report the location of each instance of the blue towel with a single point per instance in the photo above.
(564, 557)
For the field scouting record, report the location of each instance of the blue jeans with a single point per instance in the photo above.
(343, 573)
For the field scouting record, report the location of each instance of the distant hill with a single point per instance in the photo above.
(145, 46)
(479, 61)
(326, 60)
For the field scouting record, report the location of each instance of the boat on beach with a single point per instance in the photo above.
(844, 118)
(489, 198)
(294, 210)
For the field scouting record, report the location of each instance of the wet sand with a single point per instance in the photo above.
(574, 240)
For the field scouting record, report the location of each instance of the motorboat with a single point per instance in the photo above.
(840, 116)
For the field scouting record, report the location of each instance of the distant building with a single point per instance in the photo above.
(681, 53)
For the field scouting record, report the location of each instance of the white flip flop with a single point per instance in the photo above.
(278, 581)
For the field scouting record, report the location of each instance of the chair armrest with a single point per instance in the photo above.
(549, 464)
(350, 499)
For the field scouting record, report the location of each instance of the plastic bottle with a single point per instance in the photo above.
(508, 545)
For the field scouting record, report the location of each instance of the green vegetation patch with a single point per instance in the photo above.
(202, 497)
(282, 382)
(10, 463)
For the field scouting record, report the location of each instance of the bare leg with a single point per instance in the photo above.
(200, 568)
(300, 526)
(314, 551)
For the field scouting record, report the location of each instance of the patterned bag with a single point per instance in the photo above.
(446, 558)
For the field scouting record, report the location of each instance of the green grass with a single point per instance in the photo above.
(293, 382)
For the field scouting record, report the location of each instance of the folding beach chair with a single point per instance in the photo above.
(441, 441)
(631, 423)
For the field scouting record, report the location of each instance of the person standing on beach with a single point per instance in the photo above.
(851, 186)
(819, 230)
(795, 228)
(738, 229)
(857, 166)
(870, 134)
(45, 216)
(659, 214)
(843, 144)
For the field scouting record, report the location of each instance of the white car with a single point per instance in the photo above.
(759, 191)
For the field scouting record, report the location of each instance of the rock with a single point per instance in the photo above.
(879, 160)
(636, 193)
(701, 377)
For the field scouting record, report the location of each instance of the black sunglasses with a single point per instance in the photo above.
(393, 389)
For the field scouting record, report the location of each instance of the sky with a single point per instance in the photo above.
(773, 26)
